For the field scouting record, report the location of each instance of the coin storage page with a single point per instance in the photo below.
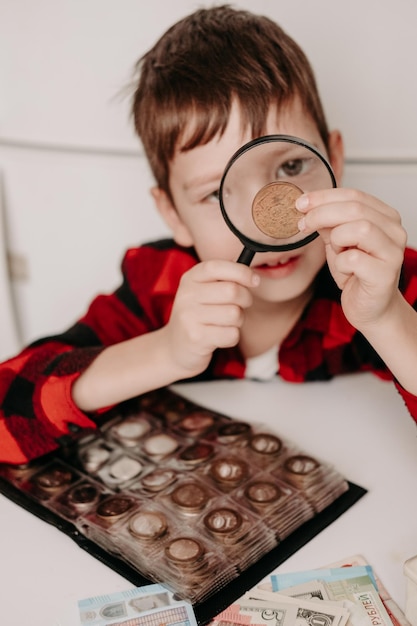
(185, 495)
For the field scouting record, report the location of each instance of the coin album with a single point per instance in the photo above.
(169, 491)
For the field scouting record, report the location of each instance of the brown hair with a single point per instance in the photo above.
(204, 62)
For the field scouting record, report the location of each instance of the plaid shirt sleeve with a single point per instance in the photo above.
(36, 407)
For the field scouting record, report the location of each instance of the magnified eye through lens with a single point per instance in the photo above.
(259, 188)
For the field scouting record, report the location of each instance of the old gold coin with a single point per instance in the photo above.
(274, 212)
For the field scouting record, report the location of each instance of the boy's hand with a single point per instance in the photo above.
(208, 312)
(364, 243)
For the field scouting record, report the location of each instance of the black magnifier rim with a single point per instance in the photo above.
(251, 244)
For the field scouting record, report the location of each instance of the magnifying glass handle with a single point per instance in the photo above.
(246, 256)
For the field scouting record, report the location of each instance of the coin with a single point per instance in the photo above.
(184, 550)
(263, 492)
(159, 479)
(125, 468)
(197, 421)
(233, 431)
(229, 470)
(94, 457)
(274, 212)
(191, 496)
(223, 520)
(301, 464)
(130, 430)
(160, 445)
(264, 443)
(114, 507)
(83, 495)
(54, 478)
(148, 525)
(197, 453)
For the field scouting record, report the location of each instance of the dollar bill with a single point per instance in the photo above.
(287, 611)
(150, 605)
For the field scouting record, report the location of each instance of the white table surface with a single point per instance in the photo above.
(357, 423)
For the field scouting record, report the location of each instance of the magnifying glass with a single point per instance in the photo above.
(259, 188)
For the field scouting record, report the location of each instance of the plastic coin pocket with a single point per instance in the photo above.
(239, 533)
(190, 559)
(169, 407)
(189, 496)
(154, 480)
(319, 483)
(227, 471)
(128, 431)
(50, 480)
(198, 423)
(94, 453)
(78, 500)
(233, 433)
(120, 470)
(281, 507)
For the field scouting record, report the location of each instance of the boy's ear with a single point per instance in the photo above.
(337, 154)
(171, 217)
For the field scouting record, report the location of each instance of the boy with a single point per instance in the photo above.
(186, 309)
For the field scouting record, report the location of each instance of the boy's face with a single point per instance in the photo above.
(196, 220)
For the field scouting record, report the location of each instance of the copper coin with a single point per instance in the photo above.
(197, 453)
(263, 492)
(82, 495)
(114, 507)
(190, 496)
(274, 212)
(233, 431)
(265, 443)
(148, 525)
(196, 421)
(184, 550)
(223, 521)
(301, 464)
(54, 478)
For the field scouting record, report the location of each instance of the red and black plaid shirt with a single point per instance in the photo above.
(36, 407)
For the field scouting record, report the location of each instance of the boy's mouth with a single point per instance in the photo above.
(281, 266)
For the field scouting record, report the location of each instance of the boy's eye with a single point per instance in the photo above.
(212, 197)
(290, 168)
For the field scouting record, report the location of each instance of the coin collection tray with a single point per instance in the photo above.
(168, 491)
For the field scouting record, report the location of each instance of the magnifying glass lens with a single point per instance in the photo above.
(261, 184)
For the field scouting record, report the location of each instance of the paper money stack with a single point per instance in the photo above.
(340, 596)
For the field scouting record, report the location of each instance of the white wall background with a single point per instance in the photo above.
(75, 185)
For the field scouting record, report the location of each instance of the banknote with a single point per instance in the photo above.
(311, 590)
(282, 581)
(397, 616)
(362, 599)
(287, 611)
(150, 605)
(357, 594)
